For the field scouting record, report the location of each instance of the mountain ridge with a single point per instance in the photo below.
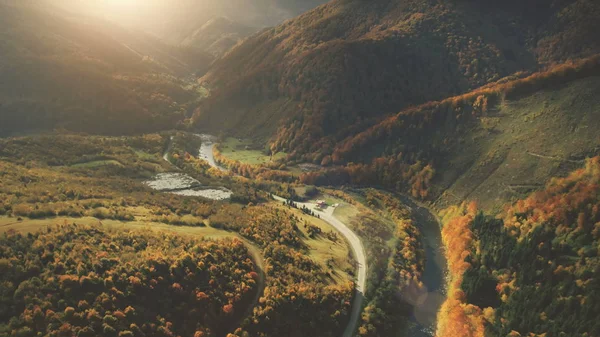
(348, 63)
(65, 71)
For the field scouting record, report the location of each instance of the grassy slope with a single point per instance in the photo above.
(322, 250)
(243, 152)
(528, 131)
(32, 225)
(499, 160)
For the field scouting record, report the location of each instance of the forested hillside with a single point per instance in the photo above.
(217, 35)
(345, 65)
(508, 137)
(103, 181)
(62, 71)
(86, 281)
(531, 271)
(174, 168)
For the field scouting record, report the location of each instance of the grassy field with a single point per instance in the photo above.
(322, 250)
(245, 152)
(97, 163)
(345, 212)
(143, 155)
(521, 143)
(32, 225)
(295, 170)
(354, 215)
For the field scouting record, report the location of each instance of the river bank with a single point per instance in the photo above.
(433, 294)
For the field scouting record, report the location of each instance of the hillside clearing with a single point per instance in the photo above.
(246, 152)
(31, 225)
(331, 255)
(97, 163)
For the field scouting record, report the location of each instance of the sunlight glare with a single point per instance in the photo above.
(122, 6)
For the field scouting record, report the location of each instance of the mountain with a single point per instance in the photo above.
(344, 66)
(542, 247)
(61, 70)
(212, 26)
(217, 35)
(217, 26)
(382, 168)
(492, 145)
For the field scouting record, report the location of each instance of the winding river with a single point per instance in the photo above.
(426, 301)
(206, 152)
(429, 299)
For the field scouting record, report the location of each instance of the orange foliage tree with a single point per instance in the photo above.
(456, 317)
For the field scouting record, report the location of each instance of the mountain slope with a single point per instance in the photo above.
(63, 71)
(345, 65)
(531, 270)
(218, 35)
(493, 144)
(217, 26)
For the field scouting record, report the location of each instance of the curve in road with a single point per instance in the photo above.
(426, 309)
(359, 253)
(206, 153)
(168, 150)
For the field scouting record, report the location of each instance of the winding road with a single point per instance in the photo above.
(433, 293)
(206, 153)
(359, 253)
(168, 150)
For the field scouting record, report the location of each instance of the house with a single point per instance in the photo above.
(321, 203)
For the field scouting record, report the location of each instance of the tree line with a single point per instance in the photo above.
(532, 270)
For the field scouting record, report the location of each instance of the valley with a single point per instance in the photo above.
(266, 168)
(431, 296)
(29, 218)
(125, 215)
(206, 152)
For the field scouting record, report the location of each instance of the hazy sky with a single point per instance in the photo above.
(174, 20)
(254, 12)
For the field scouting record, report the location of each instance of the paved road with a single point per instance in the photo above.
(206, 153)
(359, 254)
(425, 314)
(168, 150)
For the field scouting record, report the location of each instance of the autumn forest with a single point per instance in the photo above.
(267, 168)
